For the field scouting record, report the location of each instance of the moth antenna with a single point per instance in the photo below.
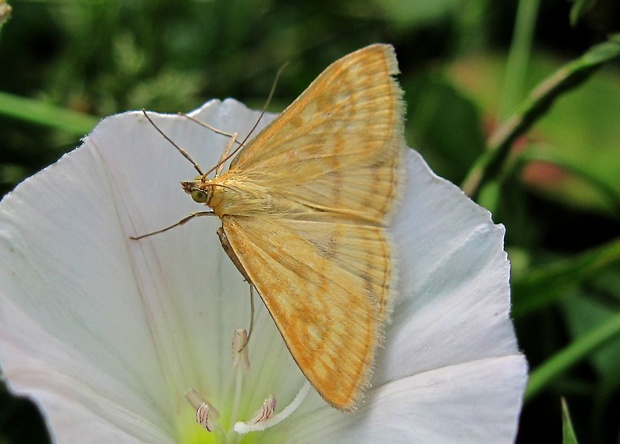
(209, 127)
(260, 117)
(217, 131)
(267, 102)
(180, 149)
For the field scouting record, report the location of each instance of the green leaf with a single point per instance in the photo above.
(446, 125)
(490, 196)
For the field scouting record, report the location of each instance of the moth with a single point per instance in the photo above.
(305, 208)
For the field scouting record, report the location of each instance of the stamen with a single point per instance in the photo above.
(202, 417)
(204, 410)
(246, 427)
(265, 412)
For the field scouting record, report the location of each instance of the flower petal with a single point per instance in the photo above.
(67, 327)
(466, 403)
(454, 301)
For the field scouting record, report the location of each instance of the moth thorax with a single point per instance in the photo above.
(216, 196)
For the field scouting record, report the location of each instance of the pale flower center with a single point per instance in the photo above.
(265, 417)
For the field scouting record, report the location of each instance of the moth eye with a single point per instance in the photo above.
(199, 196)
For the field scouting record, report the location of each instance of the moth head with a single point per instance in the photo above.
(198, 189)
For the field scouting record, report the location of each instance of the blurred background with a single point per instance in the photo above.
(547, 165)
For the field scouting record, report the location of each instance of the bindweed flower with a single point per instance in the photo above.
(107, 334)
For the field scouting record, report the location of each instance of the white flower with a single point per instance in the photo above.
(106, 334)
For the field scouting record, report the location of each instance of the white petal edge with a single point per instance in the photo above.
(474, 402)
(454, 293)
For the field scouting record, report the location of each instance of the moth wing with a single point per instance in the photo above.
(338, 146)
(327, 287)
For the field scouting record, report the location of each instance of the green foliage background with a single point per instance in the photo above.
(547, 164)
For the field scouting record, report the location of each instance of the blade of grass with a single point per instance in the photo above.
(45, 114)
(580, 7)
(568, 434)
(571, 355)
(545, 285)
(518, 57)
(536, 105)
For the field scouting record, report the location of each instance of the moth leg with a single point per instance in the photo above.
(251, 314)
(235, 260)
(181, 222)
